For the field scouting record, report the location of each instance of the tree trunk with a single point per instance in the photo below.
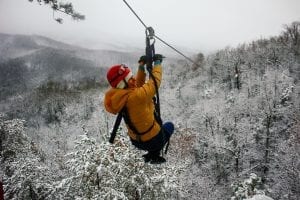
(237, 77)
(1, 191)
(267, 145)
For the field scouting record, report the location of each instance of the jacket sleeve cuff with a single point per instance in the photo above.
(142, 67)
(157, 62)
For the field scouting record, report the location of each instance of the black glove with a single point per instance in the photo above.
(143, 60)
(158, 57)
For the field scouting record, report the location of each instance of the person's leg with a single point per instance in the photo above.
(155, 157)
(151, 155)
(168, 129)
(147, 157)
(156, 143)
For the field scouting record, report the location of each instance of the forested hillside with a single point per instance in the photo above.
(242, 107)
(237, 116)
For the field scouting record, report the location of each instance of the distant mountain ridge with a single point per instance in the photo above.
(13, 46)
(27, 61)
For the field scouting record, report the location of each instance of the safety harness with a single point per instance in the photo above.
(150, 52)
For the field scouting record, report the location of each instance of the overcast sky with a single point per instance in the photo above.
(200, 25)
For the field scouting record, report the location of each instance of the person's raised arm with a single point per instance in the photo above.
(148, 90)
(141, 74)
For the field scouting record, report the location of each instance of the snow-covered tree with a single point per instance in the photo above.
(247, 188)
(25, 174)
(105, 171)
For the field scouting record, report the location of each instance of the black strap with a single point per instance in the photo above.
(167, 146)
(150, 52)
(116, 127)
(132, 127)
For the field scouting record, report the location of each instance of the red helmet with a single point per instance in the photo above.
(116, 74)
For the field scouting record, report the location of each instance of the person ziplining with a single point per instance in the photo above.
(133, 97)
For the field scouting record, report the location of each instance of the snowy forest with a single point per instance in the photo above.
(237, 118)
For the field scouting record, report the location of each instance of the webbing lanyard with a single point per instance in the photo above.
(150, 52)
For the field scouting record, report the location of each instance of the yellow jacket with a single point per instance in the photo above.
(138, 102)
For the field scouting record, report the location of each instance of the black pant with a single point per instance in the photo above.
(156, 144)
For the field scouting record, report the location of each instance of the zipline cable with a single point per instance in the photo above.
(189, 59)
(135, 14)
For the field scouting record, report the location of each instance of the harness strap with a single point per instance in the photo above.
(167, 146)
(132, 127)
(116, 127)
(150, 52)
(124, 113)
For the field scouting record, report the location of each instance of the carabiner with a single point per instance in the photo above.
(150, 32)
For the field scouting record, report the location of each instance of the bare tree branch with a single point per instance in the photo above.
(66, 8)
